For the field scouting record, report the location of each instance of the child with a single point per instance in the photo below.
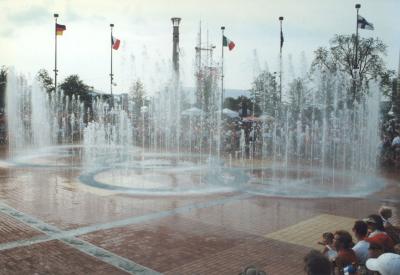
(327, 241)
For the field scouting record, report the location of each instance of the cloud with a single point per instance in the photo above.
(71, 15)
(32, 15)
(7, 33)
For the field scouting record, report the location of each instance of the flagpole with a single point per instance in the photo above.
(222, 70)
(111, 71)
(280, 61)
(355, 66)
(222, 94)
(55, 52)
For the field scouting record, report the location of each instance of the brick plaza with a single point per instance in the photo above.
(51, 224)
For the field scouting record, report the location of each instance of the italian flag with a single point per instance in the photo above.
(228, 43)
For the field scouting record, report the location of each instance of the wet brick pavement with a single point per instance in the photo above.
(105, 233)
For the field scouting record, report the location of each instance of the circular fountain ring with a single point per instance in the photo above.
(309, 182)
(163, 174)
(159, 174)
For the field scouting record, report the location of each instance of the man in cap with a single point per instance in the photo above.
(378, 234)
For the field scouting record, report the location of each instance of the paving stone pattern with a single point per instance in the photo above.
(105, 233)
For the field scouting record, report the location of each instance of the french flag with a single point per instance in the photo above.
(115, 43)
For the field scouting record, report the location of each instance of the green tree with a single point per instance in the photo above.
(3, 84)
(45, 80)
(72, 85)
(368, 65)
(299, 98)
(265, 93)
(137, 95)
(231, 103)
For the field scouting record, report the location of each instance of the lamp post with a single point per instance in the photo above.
(175, 40)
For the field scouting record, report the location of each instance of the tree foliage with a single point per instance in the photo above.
(369, 64)
(137, 95)
(45, 80)
(299, 97)
(265, 93)
(73, 85)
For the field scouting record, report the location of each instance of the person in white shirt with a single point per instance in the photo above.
(396, 140)
(360, 230)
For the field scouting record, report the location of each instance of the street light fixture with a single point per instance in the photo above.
(175, 21)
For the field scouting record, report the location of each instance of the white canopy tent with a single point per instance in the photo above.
(192, 112)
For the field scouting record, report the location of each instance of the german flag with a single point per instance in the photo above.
(60, 29)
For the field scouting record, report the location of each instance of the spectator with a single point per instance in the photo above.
(315, 263)
(377, 235)
(375, 250)
(343, 243)
(385, 213)
(327, 241)
(393, 232)
(360, 230)
(385, 264)
(396, 140)
(396, 147)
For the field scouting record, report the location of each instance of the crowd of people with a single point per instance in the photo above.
(390, 154)
(390, 147)
(375, 250)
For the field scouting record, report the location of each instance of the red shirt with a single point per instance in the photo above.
(382, 239)
(346, 257)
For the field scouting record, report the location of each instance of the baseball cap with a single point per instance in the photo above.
(386, 264)
(369, 220)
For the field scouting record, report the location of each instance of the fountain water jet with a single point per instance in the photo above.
(156, 153)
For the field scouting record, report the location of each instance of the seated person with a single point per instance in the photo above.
(343, 244)
(375, 250)
(315, 263)
(393, 231)
(360, 230)
(377, 233)
(327, 241)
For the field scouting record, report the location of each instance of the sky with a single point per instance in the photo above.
(145, 30)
